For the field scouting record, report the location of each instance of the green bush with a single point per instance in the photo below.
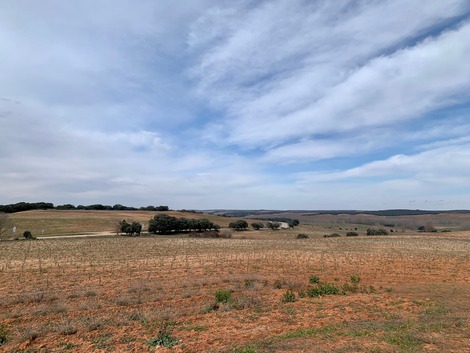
(352, 234)
(223, 296)
(355, 279)
(372, 231)
(3, 335)
(322, 289)
(163, 338)
(288, 297)
(314, 279)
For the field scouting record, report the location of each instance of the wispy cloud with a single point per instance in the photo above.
(270, 104)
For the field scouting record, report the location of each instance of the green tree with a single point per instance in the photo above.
(163, 224)
(239, 225)
(257, 225)
(130, 228)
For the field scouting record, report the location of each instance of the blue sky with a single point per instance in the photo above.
(236, 104)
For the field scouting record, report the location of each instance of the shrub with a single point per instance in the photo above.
(352, 234)
(27, 234)
(322, 289)
(372, 231)
(257, 225)
(3, 335)
(288, 297)
(223, 296)
(163, 338)
(355, 279)
(314, 279)
(302, 236)
(332, 235)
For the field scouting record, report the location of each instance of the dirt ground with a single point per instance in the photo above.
(396, 294)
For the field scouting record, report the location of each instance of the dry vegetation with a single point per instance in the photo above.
(58, 222)
(406, 294)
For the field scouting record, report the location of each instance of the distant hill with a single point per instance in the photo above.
(388, 213)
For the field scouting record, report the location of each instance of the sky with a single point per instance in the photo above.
(207, 104)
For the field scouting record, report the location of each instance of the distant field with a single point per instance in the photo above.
(58, 222)
(121, 294)
(61, 222)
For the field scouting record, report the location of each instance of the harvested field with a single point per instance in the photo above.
(396, 294)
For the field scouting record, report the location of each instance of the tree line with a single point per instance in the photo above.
(165, 224)
(28, 206)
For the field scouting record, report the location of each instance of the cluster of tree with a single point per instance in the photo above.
(372, 231)
(28, 206)
(188, 211)
(116, 207)
(25, 206)
(239, 225)
(165, 224)
(274, 225)
(133, 228)
(154, 208)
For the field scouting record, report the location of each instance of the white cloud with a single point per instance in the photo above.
(447, 166)
(315, 69)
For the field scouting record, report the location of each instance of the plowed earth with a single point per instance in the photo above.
(407, 294)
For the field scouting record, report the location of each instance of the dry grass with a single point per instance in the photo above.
(64, 222)
(116, 294)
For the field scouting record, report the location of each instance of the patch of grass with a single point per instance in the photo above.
(163, 338)
(246, 349)
(66, 328)
(406, 341)
(67, 345)
(92, 323)
(242, 301)
(249, 283)
(310, 332)
(278, 284)
(102, 342)
(3, 334)
(436, 311)
(30, 335)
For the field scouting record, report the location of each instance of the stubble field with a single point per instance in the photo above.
(120, 294)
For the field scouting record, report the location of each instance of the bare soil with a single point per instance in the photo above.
(120, 294)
